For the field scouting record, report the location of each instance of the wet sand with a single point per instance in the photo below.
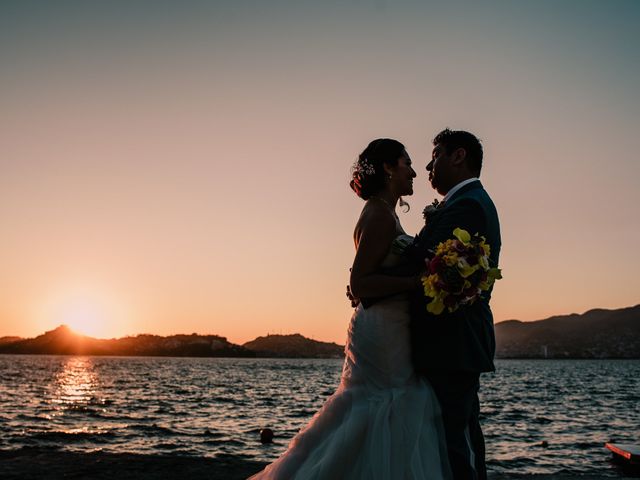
(35, 463)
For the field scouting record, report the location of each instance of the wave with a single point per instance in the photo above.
(70, 436)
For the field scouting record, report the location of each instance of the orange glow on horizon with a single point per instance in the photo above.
(88, 311)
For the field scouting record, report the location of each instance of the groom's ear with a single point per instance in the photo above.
(459, 157)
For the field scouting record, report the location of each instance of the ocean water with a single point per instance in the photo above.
(539, 416)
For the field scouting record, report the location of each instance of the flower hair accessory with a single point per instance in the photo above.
(363, 167)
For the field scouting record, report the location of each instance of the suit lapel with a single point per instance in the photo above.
(469, 186)
(438, 214)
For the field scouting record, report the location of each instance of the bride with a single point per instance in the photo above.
(383, 422)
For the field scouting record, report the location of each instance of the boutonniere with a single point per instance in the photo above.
(430, 210)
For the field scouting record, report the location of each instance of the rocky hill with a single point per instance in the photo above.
(63, 341)
(597, 333)
(293, 346)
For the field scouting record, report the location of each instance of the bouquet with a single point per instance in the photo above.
(458, 273)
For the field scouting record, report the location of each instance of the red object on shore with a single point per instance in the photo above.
(630, 453)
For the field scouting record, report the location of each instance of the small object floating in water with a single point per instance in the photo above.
(266, 435)
(629, 454)
(544, 444)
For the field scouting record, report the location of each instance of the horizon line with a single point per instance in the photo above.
(298, 333)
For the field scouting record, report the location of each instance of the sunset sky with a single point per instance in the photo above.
(179, 167)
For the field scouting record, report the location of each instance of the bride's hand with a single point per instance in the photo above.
(354, 300)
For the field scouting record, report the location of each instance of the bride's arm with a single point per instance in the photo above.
(373, 236)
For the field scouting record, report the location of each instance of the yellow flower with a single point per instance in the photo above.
(444, 247)
(436, 306)
(429, 285)
(451, 259)
(494, 274)
(462, 235)
(465, 269)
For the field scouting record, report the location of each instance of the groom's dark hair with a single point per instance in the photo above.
(451, 140)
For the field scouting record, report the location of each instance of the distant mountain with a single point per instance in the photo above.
(293, 346)
(5, 340)
(597, 333)
(63, 341)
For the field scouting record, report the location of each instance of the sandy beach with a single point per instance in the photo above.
(36, 463)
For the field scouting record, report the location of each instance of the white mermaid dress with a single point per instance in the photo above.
(383, 422)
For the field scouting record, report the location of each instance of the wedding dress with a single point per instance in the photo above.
(383, 422)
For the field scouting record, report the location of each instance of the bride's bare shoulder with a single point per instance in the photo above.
(375, 219)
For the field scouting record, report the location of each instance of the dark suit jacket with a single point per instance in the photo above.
(463, 340)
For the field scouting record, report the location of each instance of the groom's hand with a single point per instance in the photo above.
(354, 300)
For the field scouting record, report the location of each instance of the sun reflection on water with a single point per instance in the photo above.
(75, 385)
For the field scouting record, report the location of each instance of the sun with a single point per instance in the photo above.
(86, 318)
(89, 311)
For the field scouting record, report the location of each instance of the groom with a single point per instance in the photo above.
(452, 349)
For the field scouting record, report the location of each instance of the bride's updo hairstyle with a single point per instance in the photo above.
(368, 175)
